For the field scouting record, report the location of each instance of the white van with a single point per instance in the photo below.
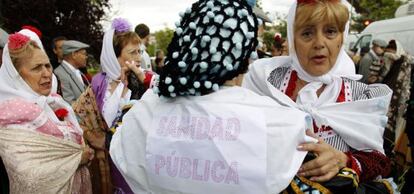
(401, 29)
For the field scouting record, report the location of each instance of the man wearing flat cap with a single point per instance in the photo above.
(373, 57)
(72, 81)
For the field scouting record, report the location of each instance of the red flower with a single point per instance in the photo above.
(17, 41)
(61, 113)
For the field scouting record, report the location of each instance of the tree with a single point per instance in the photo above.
(75, 19)
(373, 11)
(162, 40)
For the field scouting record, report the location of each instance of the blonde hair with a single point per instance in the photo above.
(332, 11)
(26, 51)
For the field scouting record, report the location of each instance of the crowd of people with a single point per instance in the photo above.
(213, 115)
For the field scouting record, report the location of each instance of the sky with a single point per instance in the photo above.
(158, 14)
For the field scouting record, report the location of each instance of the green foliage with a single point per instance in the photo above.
(75, 19)
(373, 10)
(162, 39)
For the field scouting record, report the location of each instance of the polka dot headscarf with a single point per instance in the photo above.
(212, 44)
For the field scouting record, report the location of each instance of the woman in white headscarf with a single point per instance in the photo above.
(112, 89)
(319, 78)
(41, 141)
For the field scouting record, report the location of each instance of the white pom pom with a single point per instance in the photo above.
(171, 88)
(177, 23)
(192, 25)
(179, 31)
(210, 4)
(192, 91)
(210, 14)
(196, 84)
(183, 80)
(175, 55)
(182, 64)
(229, 67)
(188, 10)
(213, 50)
(203, 65)
(216, 87)
(206, 38)
(250, 35)
(187, 38)
(239, 46)
(244, 12)
(194, 51)
(253, 55)
(168, 80)
(173, 95)
(229, 11)
(181, 14)
(207, 84)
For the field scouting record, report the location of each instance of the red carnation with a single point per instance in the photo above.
(17, 41)
(33, 29)
(61, 113)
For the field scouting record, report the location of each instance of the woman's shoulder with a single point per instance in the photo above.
(17, 111)
(362, 91)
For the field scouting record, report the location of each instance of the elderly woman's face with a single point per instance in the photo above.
(36, 71)
(317, 47)
(131, 52)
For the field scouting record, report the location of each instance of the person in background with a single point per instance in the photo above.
(373, 57)
(143, 32)
(41, 141)
(263, 19)
(121, 80)
(279, 46)
(73, 81)
(159, 61)
(199, 95)
(57, 49)
(396, 73)
(318, 77)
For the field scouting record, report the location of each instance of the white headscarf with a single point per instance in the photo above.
(109, 62)
(12, 85)
(344, 66)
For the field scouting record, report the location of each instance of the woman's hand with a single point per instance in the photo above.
(87, 155)
(135, 68)
(327, 163)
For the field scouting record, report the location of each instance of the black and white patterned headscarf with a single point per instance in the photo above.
(212, 44)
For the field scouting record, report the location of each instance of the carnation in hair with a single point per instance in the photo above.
(121, 25)
(17, 41)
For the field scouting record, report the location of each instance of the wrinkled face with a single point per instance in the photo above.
(36, 71)
(131, 52)
(317, 47)
(378, 50)
(58, 49)
(81, 58)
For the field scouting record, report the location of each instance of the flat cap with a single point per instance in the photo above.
(70, 46)
(380, 43)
